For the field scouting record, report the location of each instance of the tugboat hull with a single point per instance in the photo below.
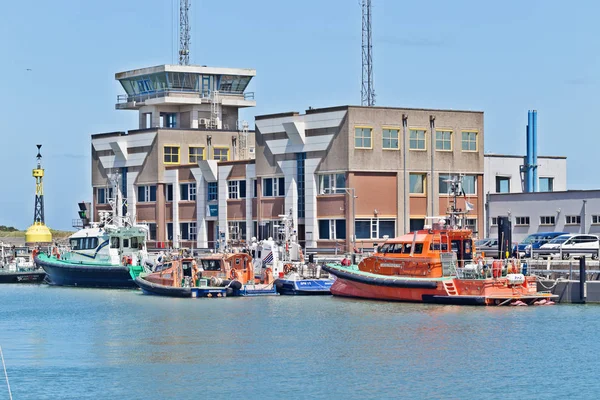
(62, 273)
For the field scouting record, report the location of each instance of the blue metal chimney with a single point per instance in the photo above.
(534, 149)
(529, 155)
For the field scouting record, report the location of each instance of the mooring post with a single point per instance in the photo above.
(582, 279)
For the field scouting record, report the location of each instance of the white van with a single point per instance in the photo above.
(569, 245)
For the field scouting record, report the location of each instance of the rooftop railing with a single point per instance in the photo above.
(125, 98)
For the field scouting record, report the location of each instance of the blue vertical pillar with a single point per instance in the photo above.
(534, 149)
(529, 156)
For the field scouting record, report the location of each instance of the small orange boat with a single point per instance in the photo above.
(213, 275)
(437, 265)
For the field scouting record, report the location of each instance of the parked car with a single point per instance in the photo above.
(569, 244)
(487, 246)
(534, 241)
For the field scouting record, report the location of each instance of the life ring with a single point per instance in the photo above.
(232, 273)
(126, 260)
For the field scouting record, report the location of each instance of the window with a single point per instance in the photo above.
(187, 230)
(114, 242)
(546, 184)
(169, 192)
(502, 184)
(468, 184)
(169, 231)
(375, 228)
(523, 221)
(134, 243)
(152, 231)
(103, 195)
(332, 229)
(221, 153)
(273, 187)
(471, 223)
(595, 219)
(494, 221)
(213, 191)
(362, 138)
(469, 141)
(196, 154)
(332, 183)
(573, 219)
(237, 189)
(255, 187)
(417, 139)
(188, 191)
(443, 140)
(237, 230)
(146, 193)
(390, 139)
(417, 183)
(548, 220)
(87, 243)
(171, 155)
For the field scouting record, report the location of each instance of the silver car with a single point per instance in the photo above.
(487, 246)
(568, 246)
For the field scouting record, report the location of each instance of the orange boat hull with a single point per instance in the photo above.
(465, 292)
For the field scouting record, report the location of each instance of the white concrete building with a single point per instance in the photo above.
(574, 211)
(503, 173)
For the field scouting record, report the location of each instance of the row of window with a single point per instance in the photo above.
(417, 184)
(363, 139)
(549, 220)
(503, 184)
(172, 154)
(275, 187)
(329, 229)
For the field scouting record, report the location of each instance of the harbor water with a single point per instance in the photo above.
(69, 343)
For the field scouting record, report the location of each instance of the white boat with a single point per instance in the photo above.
(99, 255)
(294, 276)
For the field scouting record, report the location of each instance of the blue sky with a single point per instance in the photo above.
(500, 57)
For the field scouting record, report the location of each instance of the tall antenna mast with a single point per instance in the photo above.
(367, 92)
(184, 32)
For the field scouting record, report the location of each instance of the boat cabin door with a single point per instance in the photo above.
(463, 250)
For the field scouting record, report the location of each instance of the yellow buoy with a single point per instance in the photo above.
(38, 232)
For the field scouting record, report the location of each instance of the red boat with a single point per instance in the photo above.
(437, 266)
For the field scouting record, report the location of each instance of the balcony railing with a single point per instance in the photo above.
(125, 98)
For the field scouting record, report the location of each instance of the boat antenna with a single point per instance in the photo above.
(5, 374)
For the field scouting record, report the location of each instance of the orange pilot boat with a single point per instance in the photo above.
(437, 266)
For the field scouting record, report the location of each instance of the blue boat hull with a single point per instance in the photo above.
(82, 275)
(304, 287)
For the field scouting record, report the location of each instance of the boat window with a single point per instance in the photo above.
(237, 261)
(114, 242)
(211, 265)
(84, 243)
(407, 247)
(436, 246)
(396, 248)
(125, 243)
(418, 248)
(134, 243)
(385, 248)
